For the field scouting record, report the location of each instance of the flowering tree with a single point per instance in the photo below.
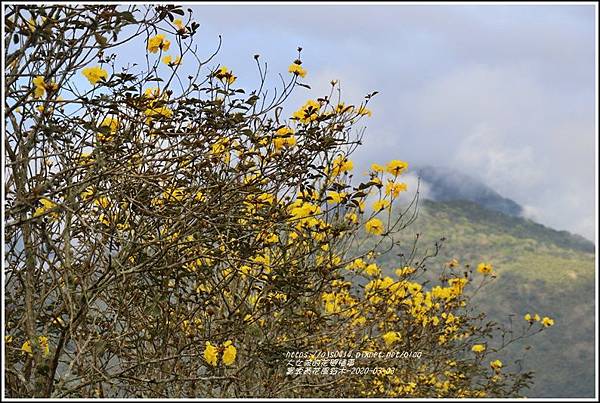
(178, 237)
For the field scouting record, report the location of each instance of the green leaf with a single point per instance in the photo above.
(128, 16)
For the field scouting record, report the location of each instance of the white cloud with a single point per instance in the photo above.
(414, 185)
(518, 134)
(484, 153)
(503, 93)
(531, 212)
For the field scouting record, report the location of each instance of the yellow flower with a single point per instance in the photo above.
(104, 219)
(341, 165)
(394, 188)
(335, 197)
(85, 158)
(26, 348)
(157, 43)
(31, 24)
(352, 217)
(8, 339)
(478, 348)
(104, 137)
(210, 354)
(497, 364)
(391, 337)
(40, 88)
(94, 74)
(200, 197)
(161, 112)
(229, 353)
(47, 205)
(396, 167)
(179, 24)
(364, 111)
(225, 75)
(284, 137)
(102, 202)
(265, 198)
(414, 288)
(485, 268)
(308, 112)
(112, 123)
(453, 263)
(404, 271)
(272, 238)
(174, 194)
(372, 270)
(374, 226)
(377, 168)
(296, 68)
(43, 341)
(357, 264)
(152, 92)
(536, 317)
(220, 146)
(380, 204)
(168, 60)
(547, 322)
(457, 284)
(303, 210)
(528, 317)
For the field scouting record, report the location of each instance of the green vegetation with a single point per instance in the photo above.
(539, 270)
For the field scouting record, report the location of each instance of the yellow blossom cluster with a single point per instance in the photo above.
(485, 268)
(39, 87)
(170, 61)
(179, 25)
(545, 321)
(394, 189)
(94, 74)
(225, 75)
(157, 112)
(49, 208)
(228, 351)
(374, 226)
(158, 42)
(109, 127)
(284, 137)
(41, 344)
(309, 112)
(297, 69)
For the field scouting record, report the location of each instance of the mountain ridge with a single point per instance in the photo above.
(539, 270)
(446, 184)
(519, 227)
(450, 185)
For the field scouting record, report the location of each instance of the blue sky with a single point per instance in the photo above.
(505, 93)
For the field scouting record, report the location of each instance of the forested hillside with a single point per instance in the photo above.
(539, 270)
